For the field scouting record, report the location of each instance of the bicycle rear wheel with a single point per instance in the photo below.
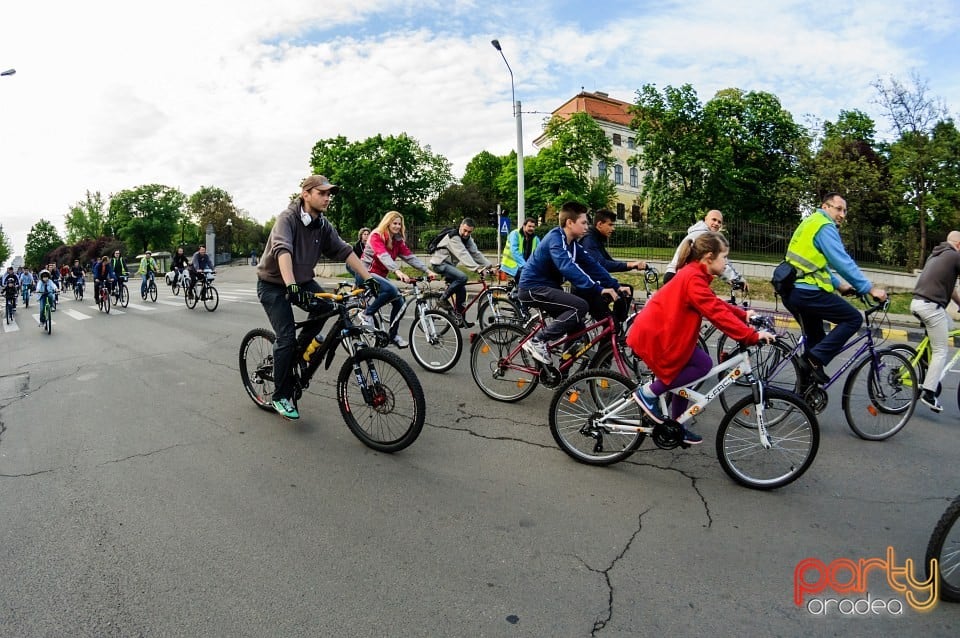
(190, 297)
(944, 546)
(434, 343)
(256, 367)
(499, 379)
(387, 412)
(124, 295)
(573, 409)
(880, 395)
(211, 298)
(793, 432)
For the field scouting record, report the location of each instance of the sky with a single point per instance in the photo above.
(111, 94)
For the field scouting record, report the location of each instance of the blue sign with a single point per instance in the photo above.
(504, 224)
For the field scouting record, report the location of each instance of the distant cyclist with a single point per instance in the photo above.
(458, 248)
(103, 275)
(46, 290)
(148, 266)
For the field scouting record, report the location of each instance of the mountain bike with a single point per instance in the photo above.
(103, 297)
(380, 398)
(78, 286)
(46, 310)
(494, 303)
(121, 294)
(206, 292)
(765, 440)
(944, 546)
(25, 290)
(919, 358)
(505, 371)
(879, 395)
(151, 288)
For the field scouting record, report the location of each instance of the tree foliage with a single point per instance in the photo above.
(86, 219)
(5, 248)
(147, 216)
(214, 206)
(377, 175)
(481, 173)
(42, 240)
(578, 142)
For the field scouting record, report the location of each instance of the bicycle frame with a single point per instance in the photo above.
(739, 366)
(924, 353)
(608, 331)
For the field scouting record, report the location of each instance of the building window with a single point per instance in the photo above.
(621, 211)
(634, 177)
(602, 168)
(617, 174)
(631, 143)
(635, 214)
(616, 139)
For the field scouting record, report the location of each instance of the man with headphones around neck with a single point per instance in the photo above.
(299, 238)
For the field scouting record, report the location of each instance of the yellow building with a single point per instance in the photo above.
(614, 118)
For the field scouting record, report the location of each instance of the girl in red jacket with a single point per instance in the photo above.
(664, 334)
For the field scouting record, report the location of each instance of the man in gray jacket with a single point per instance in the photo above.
(299, 238)
(455, 249)
(936, 286)
(711, 222)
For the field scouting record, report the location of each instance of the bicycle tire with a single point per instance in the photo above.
(573, 404)
(211, 298)
(489, 348)
(501, 309)
(256, 367)
(49, 319)
(152, 291)
(880, 395)
(393, 417)
(768, 357)
(190, 297)
(434, 344)
(604, 359)
(106, 303)
(944, 546)
(175, 288)
(124, 294)
(794, 436)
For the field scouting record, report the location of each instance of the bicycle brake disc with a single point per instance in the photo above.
(667, 435)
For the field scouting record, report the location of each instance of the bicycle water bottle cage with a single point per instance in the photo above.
(667, 435)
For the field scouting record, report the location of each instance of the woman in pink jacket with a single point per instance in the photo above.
(664, 334)
(385, 245)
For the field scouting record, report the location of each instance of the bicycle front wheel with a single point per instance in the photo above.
(175, 287)
(152, 291)
(573, 411)
(434, 343)
(880, 395)
(497, 307)
(124, 297)
(211, 298)
(190, 297)
(792, 431)
(497, 376)
(385, 411)
(48, 319)
(944, 546)
(256, 367)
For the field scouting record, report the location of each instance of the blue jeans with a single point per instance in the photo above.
(143, 284)
(388, 294)
(456, 283)
(273, 298)
(812, 308)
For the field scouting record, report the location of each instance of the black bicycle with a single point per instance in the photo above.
(380, 397)
(202, 288)
(944, 546)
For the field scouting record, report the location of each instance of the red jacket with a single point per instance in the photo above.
(664, 334)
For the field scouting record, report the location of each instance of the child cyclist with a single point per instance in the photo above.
(664, 334)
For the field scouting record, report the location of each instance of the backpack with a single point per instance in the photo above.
(434, 243)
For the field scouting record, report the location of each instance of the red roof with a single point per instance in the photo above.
(599, 106)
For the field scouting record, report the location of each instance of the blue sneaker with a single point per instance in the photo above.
(648, 405)
(691, 438)
(286, 409)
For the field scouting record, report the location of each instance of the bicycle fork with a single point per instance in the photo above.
(758, 405)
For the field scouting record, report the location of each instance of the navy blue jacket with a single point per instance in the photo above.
(556, 260)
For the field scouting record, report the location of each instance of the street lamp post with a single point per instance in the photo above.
(229, 237)
(516, 115)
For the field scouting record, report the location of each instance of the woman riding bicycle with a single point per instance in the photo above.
(387, 243)
(664, 334)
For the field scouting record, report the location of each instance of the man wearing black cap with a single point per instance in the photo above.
(299, 238)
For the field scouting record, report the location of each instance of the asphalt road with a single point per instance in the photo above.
(142, 493)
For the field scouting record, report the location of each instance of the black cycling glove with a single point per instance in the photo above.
(372, 286)
(297, 295)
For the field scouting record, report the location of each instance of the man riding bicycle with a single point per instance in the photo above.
(458, 248)
(103, 274)
(285, 276)
(148, 266)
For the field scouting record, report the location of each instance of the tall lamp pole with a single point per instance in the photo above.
(516, 115)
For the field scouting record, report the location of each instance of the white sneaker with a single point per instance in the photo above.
(538, 350)
(365, 319)
(400, 341)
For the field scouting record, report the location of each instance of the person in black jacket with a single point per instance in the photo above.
(595, 243)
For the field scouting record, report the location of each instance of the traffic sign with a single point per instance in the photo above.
(504, 224)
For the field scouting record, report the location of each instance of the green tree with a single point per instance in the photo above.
(5, 248)
(42, 240)
(377, 175)
(578, 142)
(86, 219)
(481, 173)
(914, 156)
(463, 200)
(211, 205)
(147, 216)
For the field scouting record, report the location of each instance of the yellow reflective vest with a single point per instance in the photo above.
(802, 253)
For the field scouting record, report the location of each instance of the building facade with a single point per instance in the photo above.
(614, 118)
